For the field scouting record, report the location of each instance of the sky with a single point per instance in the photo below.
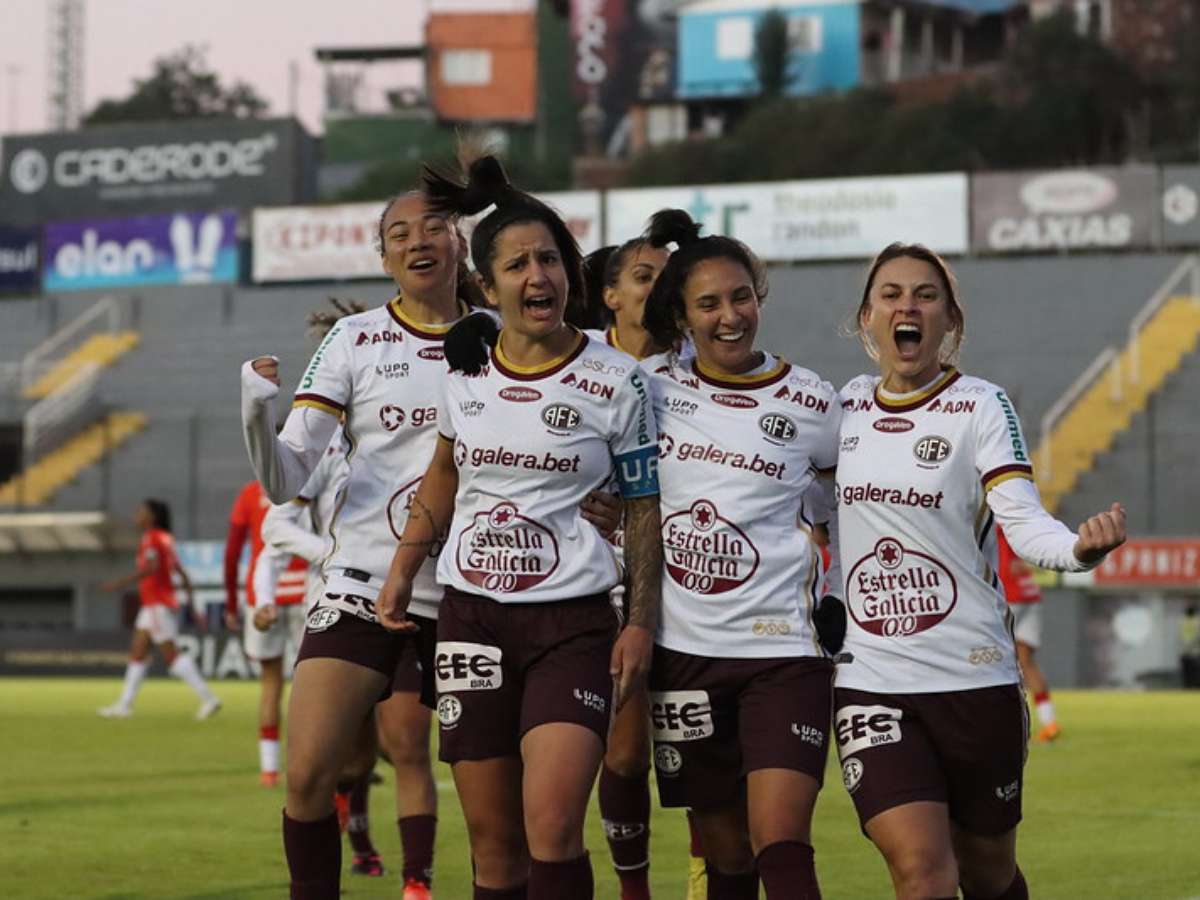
(249, 40)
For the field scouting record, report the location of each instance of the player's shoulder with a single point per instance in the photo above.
(978, 396)
(800, 378)
(859, 386)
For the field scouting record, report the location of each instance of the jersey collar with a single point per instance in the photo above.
(425, 330)
(533, 373)
(917, 399)
(741, 382)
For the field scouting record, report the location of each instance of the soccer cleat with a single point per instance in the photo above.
(341, 804)
(416, 889)
(367, 864)
(208, 709)
(115, 711)
(1049, 733)
(268, 779)
(697, 878)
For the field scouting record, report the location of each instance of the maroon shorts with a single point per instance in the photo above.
(406, 659)
(962, 748)
(505, 668)
(716, 720)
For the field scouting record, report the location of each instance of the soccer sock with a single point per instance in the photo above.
(1045, 709)
(742, 886)
(358, 828)
(135, 671)
(557, 880)
(787, 870)
(516, 893)
(268, 748)
(625, 811)
(416, 841)
(1018, 890)
(697, 845)
(314, 857)
(185, 669)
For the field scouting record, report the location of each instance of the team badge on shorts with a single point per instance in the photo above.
(322, 617)
(852, 773)
(449, 710)
(667, 760)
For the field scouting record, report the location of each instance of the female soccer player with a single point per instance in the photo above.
(740, 690)
(526, 658)
(376, 370)
(155, 624)
(931, 723)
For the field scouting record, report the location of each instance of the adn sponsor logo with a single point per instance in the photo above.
(379, 337)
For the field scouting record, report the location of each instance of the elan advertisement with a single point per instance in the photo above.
(122, 169)
(184, 248)
(844, 218)
(1066, 209)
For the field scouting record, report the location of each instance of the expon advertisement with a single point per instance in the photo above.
(181, 248)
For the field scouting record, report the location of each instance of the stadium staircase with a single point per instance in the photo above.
(1117, 385)
(101, 349)
(69, 428)
(60, 466)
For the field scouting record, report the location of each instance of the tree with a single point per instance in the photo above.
(181, 86)
(771, 51)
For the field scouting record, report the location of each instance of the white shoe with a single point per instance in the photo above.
(116, 711)
(208, 709)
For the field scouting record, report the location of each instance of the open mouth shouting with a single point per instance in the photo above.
(540, 307)
(907, 336)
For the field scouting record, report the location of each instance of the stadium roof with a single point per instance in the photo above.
(973, 7)
(369, 54)
(54, 532)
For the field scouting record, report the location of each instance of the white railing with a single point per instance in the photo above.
(1189, 268)
(40, 360)
(1110, 357)
(62, 413)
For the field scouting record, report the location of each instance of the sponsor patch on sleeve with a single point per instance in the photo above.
(637, 472)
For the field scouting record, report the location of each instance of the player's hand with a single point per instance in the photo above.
(630, 663)
(604, 510)
(268, 368)
(391, 606)
(232, 622)
(467, 344)
(265, 616)
(1100, 535)
(829, 619)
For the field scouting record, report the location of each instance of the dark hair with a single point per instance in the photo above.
(319, 321)
(465, 289)
(488, 185)
(665, 309)
(595, 271)
(958, 322)
(160, 513)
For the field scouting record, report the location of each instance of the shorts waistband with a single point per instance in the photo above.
(453, 593)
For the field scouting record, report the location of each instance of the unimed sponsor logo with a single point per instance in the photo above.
(735, 401)
(520, 394)
(892, 425)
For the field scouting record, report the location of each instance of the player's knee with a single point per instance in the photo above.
(408, 748)
(924, 872)
(554, 832)
(629, 759)
(498, 852)
(307, 784)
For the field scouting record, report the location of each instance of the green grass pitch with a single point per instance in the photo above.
(161, 806)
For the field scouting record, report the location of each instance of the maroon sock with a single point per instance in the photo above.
(697, 845)
(1018, 890)
(558, 880)
(314, 857)
(517, 893)
(787, 870)
(743, 886)
(625, 811)
(416, 842)
(358, 828)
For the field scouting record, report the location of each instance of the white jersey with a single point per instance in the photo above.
(925, 608)
(529, 445)
(383, 372)
(736, 456)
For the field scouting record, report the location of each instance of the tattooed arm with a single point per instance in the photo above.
(430, 513)
(644, 558)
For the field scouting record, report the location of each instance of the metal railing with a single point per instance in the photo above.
(38, 361)
(63, 413)
(1109, 359)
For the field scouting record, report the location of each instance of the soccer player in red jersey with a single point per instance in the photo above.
(265, 645)
(156, 624)
(1025, 603)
